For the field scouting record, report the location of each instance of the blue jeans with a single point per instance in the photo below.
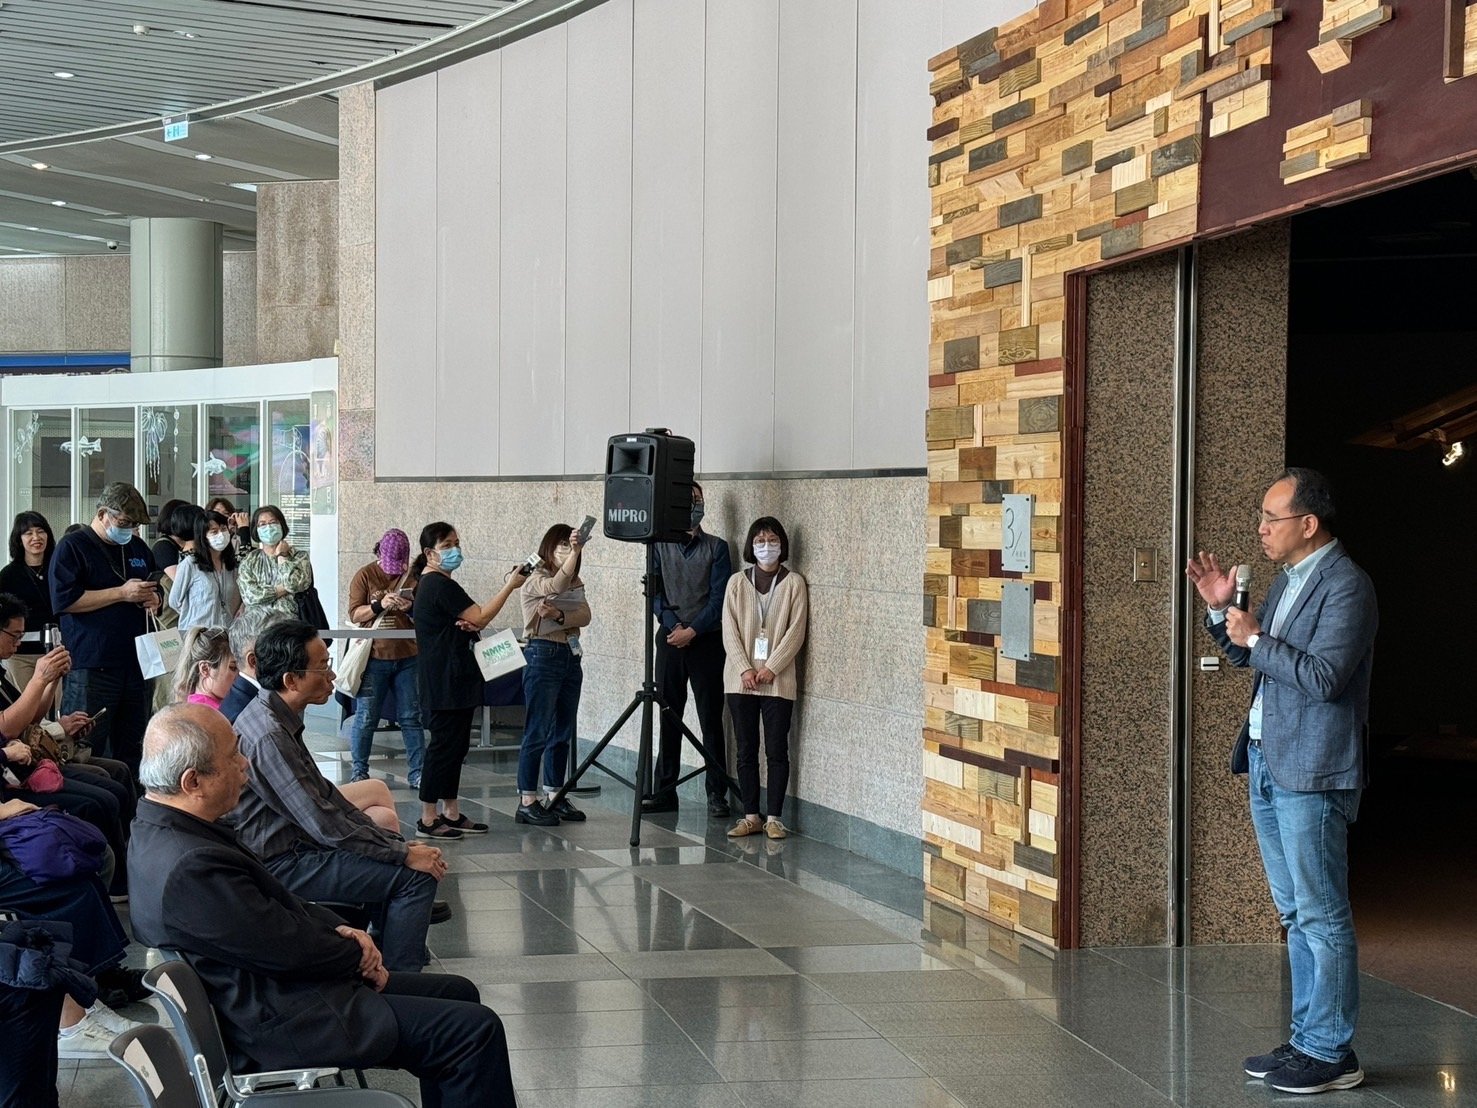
(1304, 840)
(382, 674)
(551, 699)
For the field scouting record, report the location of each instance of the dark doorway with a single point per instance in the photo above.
(1382, 342)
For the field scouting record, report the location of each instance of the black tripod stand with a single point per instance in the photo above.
(646, 699)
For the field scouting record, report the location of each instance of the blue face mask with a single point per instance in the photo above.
(120, 535)
(697, 514)
(451, 559)
(269, 533)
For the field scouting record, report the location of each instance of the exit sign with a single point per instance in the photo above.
(176, 127)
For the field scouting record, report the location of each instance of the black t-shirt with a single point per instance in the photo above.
(166, 554)
(449, 677)
(100, 639)
(20, 581)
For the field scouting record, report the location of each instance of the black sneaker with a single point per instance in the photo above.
(1259, 1065)
(436, 829)
(661, 802)
(535, 814)
(718, 807)
(1305, 1074)
(123, 985)
(465, 825)
(566, 811)
(440, 911)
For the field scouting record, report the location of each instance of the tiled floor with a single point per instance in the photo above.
(704, 973)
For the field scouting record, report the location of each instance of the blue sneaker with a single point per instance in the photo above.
(1305, 1074)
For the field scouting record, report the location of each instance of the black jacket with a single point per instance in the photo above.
(241, 693)
(284, 984)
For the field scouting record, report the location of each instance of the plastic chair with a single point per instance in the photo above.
(183, 996)
(155, 1063)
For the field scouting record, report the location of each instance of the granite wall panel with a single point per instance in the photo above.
(1129, 487)
(238, 322)
(297, 270)
(32, 298)
(95, 307)
(1242, 291)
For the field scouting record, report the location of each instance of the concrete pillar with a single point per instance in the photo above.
(175, 285)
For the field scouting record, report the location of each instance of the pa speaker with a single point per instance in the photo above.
(648, 487)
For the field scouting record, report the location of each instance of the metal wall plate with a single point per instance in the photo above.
(1017, 620)
(1017, 514)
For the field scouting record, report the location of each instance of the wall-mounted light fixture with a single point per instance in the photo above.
(1454, 453)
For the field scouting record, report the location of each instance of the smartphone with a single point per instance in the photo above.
(155, 577)
(405, 594)
(585, 529)
(531, 563)
(97, 715)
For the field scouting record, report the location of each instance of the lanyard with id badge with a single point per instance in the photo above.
(761, 640)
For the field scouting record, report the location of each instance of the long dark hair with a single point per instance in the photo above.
(202, 552)
(23, 523)
(431, 534)
(166, 517)
(555, 535)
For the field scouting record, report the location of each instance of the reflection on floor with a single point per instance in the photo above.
(697, 971)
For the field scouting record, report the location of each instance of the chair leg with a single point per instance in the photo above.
(363, 1084)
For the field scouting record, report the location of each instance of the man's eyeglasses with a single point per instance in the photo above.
(126, 524)
(314, 669)
(1267, 521)
(15, 635)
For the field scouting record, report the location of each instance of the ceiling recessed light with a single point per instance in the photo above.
(202, 157)
(39, 165)
(63, 74)
(186, 34)
(58, 203)
(33, 228)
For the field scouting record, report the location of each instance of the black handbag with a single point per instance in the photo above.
(310, 608)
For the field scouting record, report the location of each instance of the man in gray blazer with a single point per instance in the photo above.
(1302, 745)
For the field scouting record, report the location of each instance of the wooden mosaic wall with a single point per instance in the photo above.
(1066, 137)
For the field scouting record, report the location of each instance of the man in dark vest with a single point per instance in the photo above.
(689, 648)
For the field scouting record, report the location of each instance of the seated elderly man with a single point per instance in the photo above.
(304, 830)
(292, 985)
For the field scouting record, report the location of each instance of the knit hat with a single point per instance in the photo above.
(394, 552)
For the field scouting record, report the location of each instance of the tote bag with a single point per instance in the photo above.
(350, 670)
(158, 650)
(498, 655)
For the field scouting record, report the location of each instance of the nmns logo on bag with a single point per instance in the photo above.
(497, 651)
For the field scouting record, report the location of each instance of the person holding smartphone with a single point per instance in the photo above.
(101, 589)
(447, 622)
(554, 610)
(383, 592)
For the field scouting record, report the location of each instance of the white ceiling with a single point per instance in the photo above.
(124, 83)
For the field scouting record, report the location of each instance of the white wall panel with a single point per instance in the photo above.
(468, 234)
(405, 289)
(667, 216)
(894, 111)
(815, 272)
(597, 360)
(531, 371)
(739, 169)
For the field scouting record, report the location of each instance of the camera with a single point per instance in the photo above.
(112, 244)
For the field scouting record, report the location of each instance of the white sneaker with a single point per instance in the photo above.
(88, 1039)
(109, 1020)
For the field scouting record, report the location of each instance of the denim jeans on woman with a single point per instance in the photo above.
(1304, 840)
(551, 701)
(381, 675)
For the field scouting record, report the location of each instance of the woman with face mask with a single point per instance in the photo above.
(272, 572)
(382, 593)
(447, 621)
(206, 592)
(554, 609)
(765, 611)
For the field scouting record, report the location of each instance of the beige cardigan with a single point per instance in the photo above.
(789, 611)
(543, 585)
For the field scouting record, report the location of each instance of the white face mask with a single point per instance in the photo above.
(219, 540)
(767, 553)
(561, 553)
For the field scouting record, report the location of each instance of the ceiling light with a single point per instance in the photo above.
(186, 34)
(58, 203)
(39, 165)
(63, 74)
(1454, 453)
(202, 157)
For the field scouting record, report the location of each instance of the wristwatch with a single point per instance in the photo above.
(1251, 640)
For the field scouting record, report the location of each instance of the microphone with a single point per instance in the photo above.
(1243, 588)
